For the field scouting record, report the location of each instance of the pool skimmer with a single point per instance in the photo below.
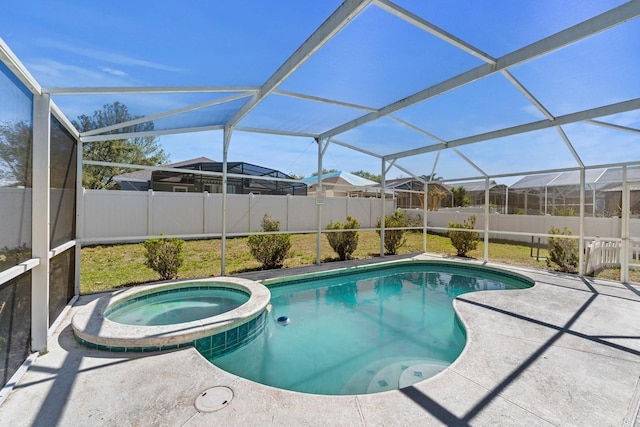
(214, 399)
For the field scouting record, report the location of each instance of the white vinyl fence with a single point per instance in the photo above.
(119, 216)
(521, 228)
(15, 215)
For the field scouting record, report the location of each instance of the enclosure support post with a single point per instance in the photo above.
(383, 216)
(319, 199)
(486, 219)
(425, 209)
(225, 150)
(624, 249)
(79, 215)
(581, 241)
(41, 222)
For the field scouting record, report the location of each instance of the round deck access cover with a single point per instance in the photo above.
(214, 399)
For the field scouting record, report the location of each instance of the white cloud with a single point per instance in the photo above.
(111, 71)
(106, 56)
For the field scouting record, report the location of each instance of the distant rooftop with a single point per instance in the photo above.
(592, 177)
(144, 175)
(350, 178)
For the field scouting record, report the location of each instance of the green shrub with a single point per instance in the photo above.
(344, 243)
(270, 249)
(563, 252)
(393, 239)
(568, 211)
(164, 256)
(464, 241)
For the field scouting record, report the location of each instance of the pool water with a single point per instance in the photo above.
(180, 305)
(363, 333)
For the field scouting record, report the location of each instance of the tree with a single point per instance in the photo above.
(324, 172)
(460, 197)
(432, 177)
(15, 154)
(368, 175)
(434, 198)
(139, 150)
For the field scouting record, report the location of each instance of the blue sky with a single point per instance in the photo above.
(376, 60)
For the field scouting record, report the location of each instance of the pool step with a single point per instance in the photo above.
(403, 374)
(391, 374)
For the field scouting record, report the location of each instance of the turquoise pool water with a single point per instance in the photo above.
(177, 305)
(378, 330)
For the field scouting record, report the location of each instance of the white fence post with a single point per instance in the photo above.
(150, 212)
(205, 212)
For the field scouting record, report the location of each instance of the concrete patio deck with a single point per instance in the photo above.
(566, 352)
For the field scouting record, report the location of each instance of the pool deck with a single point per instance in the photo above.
(566, 352)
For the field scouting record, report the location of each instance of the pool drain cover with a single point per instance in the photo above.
(214, 399)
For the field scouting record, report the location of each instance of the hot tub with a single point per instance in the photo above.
(215, 315)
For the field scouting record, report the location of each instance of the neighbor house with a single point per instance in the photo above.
(345, 184)
(191, 181)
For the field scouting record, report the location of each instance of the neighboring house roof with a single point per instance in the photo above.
(476, 185)
(144, 175)
(398, 182)
(593, 177)
(350, 178)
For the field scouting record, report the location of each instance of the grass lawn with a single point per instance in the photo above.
(114, 266)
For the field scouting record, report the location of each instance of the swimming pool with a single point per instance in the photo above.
(363, 330)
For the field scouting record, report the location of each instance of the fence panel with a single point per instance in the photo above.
(177, 213)
(115, 213)
(530, 224)
(15, 230)
(120, 215)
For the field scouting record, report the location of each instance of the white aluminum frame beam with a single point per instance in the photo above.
(322, 149)
(40, 221)
(612, 126)
(539, 48)
(432, 29)
(570, 146)
(322, 100)
(275, 132)
(472, 164)
(225, 151)
(120, 136)
(347, 11)
(58, 114)
(419, 130)
(354, 148)
(18, 69)
(620, 107)
(99, 90)
(165, 114)
(523, 90)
